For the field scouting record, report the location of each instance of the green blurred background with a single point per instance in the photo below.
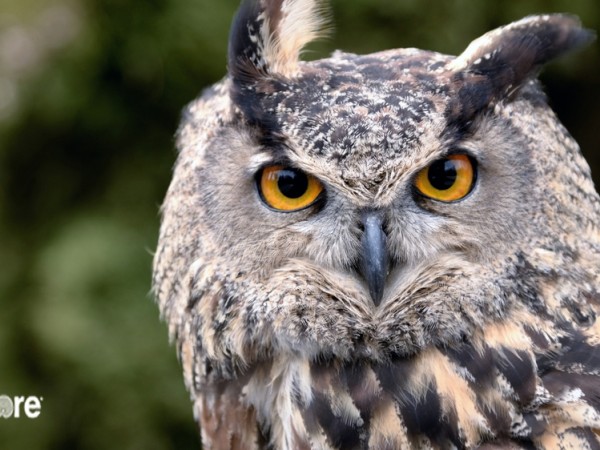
(90, 96)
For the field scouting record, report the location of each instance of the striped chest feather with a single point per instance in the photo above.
(511, 387)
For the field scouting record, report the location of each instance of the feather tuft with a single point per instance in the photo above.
(268, 36)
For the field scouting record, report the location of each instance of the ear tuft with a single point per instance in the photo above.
(498, 63)
(267, 36)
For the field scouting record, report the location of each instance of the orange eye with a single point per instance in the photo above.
(448, 179)
(287, 189)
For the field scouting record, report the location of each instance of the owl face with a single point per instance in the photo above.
(364, 206)
(366, 129)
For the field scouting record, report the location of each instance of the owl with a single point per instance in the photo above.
(391, 251)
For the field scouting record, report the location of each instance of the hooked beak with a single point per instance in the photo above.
(374, 263)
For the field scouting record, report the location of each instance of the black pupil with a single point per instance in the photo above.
(292, 183)
(442, 174)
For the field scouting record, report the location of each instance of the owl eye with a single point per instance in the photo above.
(447, 180)
(287, 189)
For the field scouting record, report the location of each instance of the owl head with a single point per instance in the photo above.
(369, 206)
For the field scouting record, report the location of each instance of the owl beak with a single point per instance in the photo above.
(374, 263)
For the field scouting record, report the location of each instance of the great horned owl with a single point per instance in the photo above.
(397, 250)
